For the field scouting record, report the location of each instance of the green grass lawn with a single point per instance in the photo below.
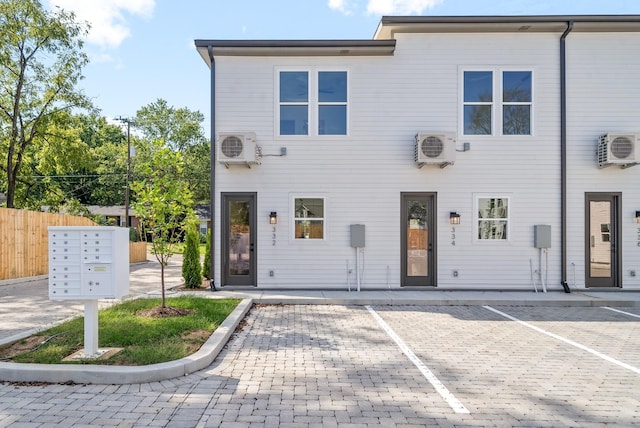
(145, 340)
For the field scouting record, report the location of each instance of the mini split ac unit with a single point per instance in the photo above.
(238, 148)
(618, 149)
(435, 149)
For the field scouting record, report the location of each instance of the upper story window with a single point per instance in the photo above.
(501, 99)
(312, 103)
(332, 103)
(294, 103)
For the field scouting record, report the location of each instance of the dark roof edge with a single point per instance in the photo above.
(256, 48)
(293, 43)
(497, 19)
(389, 26)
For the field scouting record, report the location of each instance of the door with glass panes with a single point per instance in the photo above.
(418, 239)
(602, 240)
(238, 239)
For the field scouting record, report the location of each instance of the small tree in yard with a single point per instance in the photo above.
(164, 204)
(206, 265)
(191, 259)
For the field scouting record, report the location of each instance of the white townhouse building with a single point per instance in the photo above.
(496, 152)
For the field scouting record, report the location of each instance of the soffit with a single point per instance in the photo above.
(289, 48)
(391, 25)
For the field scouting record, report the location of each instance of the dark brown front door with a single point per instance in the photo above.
(602, 240)
(418, 239)
(238, 239)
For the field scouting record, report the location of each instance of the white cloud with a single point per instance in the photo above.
(344, 6)
(109, 27)
(400, 7)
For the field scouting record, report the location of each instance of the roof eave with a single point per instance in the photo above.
(294, 48)
(390, 25)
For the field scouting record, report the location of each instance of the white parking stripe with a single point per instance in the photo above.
(456, 405)
(621, 312)
(567, 341)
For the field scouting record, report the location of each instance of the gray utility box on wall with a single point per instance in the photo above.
(357, 235)
(88, 262)
(542, 236)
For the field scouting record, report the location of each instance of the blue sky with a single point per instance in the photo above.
(142, 50)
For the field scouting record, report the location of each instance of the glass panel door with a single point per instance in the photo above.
(602, 238)
(238, 239)
(418, 238)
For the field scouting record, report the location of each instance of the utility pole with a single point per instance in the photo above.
(128, 121)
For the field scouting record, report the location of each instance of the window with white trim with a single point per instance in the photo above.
(308, 218)
(492, 218)
(294, 103)
(312, 103)
(486, 92)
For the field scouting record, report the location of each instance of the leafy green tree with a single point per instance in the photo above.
(191, 269)
(164, 205)
(206, 265)
(181, 129)
(41, 60)
(197, 168)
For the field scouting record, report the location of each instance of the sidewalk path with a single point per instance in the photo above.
(25, 306)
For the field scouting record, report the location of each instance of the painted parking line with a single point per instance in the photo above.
(621, 312)
(567, 341)
(453, 402)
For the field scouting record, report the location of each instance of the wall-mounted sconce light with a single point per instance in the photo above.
(637, 216)
(454, 218)
(273, 217)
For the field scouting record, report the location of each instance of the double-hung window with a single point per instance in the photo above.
(493, 218)
(309, 218)
(478, 102)
(332, 103)
(294, 103)
(312, 102)
(497, 98)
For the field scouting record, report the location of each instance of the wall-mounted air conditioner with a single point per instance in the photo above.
(433, 148)
(618, 149)
(238, 148)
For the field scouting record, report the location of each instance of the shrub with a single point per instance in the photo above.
(206, 266)
(191, 261)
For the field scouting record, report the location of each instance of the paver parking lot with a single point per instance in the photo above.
(317, 365)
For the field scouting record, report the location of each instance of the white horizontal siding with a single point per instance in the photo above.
(363, 174)
(603, 94)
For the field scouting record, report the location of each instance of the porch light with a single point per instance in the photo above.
(273, 217)
(454, 218)
(637, 216)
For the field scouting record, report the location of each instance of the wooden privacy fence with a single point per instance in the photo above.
(24, 241)
(137, 252)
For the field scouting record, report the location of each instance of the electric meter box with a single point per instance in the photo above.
(542, 236)
(357, 235)
(88, 262)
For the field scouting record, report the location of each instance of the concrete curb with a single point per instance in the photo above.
(98, 374)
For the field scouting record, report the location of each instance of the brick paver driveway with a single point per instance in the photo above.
(382, 365)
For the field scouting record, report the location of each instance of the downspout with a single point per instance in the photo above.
(563, 154)
(212, 180)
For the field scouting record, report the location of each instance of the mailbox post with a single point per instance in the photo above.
(88, 263)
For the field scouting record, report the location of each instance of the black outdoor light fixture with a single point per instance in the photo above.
(637, 216)
(273, 217)
(454, 218)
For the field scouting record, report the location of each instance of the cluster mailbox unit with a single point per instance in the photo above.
(88, 263)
